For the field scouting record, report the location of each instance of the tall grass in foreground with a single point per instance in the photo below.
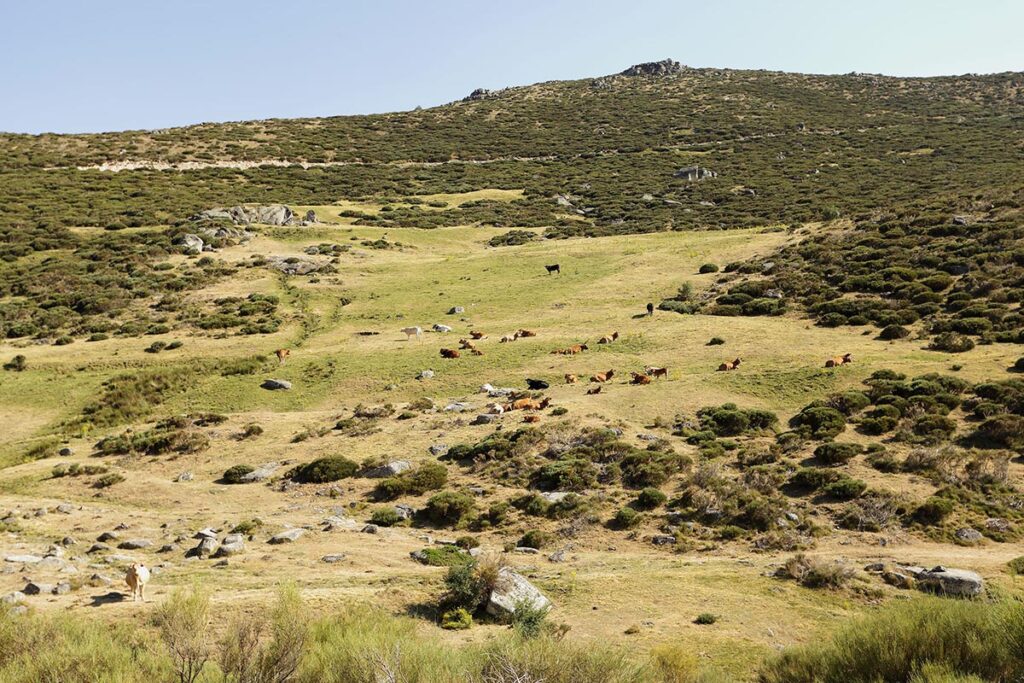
(931, 640)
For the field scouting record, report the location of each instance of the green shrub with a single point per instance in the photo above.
(933, 511)
(385, 517)
(972, 641)
(893, 332)
(528, 621)
(650, 498)
(324, 470)
(845, 488)
(108, 480)
(1002, 431)
(457, 619)
(705, 618)
(819, 422)
(536, 538)
(627, 518)
(951, 342)
(234, 474)
(449, 507)
(833, 453)
(444, 556)
(708, 268)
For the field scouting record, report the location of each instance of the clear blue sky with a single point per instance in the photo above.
(98, 65)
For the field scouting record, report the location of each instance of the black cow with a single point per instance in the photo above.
(554, 269)
(650, 309)
(537, 384)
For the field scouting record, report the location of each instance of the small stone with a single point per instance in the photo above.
(371, 529)
(33, 588)
(331, 559)
(438, 449)
(65, 508)
(456, 310)
(23, 559)
(276, 384)
(134, 544)
(183, 477)
(97, 548)
(108, 536)
(968, 535)
(425, 374)
(12, 598)
(65, 452)
(62, 588)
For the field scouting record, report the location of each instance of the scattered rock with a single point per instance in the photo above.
(34, 588)
(897, 578)
(97, 548)
(233, 544)
(108, 536)
(23, 559)
(484, 419)
(438, 449)
(512, 589)
(262, 472)
(389, 470)
(134, 544)
(404, 511)
(456, 310)
(12, 598)
(205, 548)
(959, 583)
(663, 539)
(968, 535)
(457, 407)
(66, 452)
(289, 536)
(371, 529)
(68, 541)
(425, 374)
(440, 328)
(208, 532)
(523, 550)
(184, 476)
(62, 588)
(276, 384)
(557, 556)
(997, 524)
(191, 242)
(554, 496)
(100, 581)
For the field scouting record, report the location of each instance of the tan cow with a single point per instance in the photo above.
(839, 360)
(137, 577)
(638, 378)
(729, 365)
(570, 378)
(602, 377)
(608, 338)
(655, 372)
(282, 354)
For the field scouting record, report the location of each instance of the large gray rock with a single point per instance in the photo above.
(289, 536)
(23, 559)
(190, 242)
(205, 548)
(276, 384)
(134, 544)
(512, 589)
(389, 470)
(12, 598)
(262, 472)
(665, 67)
(292, 265)
(968, 535)
(960, 583)
(35, 588)
(233, 544)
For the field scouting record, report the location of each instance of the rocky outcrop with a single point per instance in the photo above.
(271, 214)
(512, 589)
(289, 536)
(665, 67)
(190, 242)
(959, 583)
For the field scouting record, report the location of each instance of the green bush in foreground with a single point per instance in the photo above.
(954, 639)
(323, 470)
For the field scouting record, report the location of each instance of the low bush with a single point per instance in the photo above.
(650, 498)
(234, 474)
(833, 453)
(933, 511)
(385, 516)
(536, 538)
(449, 507)
(815, 573)
(627, 518)
(324, 470)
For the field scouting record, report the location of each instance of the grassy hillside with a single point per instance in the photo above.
(863, 215)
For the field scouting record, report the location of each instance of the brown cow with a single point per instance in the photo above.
(525, 333)
(572, 350)
(608, 339)
(570, 378)
(476, 352)
(729, 365)
(638, 378)
(602, 377)
(449, 353)
(466, 344)
(282, 354)
(528, 404)
(475, 334)
(839, 360)
(656, 372)
(531, 418)
(594, 390)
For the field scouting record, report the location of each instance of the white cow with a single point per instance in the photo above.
(412, 331)
(137, 578)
